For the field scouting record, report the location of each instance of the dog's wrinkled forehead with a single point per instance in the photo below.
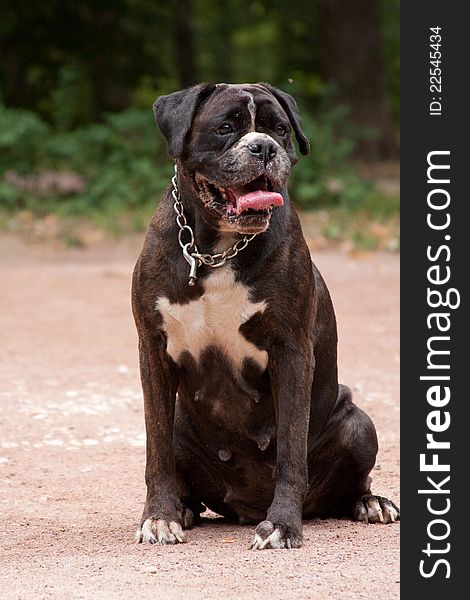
(178, 112)
(229, 97)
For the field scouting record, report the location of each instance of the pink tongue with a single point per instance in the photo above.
(258, 200)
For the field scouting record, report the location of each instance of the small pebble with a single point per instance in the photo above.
(151, 569)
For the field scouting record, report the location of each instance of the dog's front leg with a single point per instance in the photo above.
(162, 517)
(291, 373)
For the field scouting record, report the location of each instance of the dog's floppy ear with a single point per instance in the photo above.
(290, 107)
(174, 114)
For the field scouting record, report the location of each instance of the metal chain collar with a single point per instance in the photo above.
(195, 259)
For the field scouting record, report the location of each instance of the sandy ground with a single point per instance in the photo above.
(72, 443)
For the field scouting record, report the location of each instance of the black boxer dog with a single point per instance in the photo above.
(237, 335)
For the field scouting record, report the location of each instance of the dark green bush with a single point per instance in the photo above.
(126, 166)
(123, 160)
(22, 134)
(71, 99)
(325, 177)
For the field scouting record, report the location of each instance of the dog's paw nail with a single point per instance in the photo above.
(376, 509)
(187, 518)
(360, 513)
(391, 512)
(158, 531)
(269, 535)
(256, 543)
(175, 529)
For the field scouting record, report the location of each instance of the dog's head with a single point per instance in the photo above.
(235, 143)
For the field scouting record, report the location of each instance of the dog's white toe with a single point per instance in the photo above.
(376, 509)
(158, 531)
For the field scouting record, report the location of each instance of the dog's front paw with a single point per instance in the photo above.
(277, 535)
(159, 531)
(376, 509)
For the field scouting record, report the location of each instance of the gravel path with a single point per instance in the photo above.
(72, 443)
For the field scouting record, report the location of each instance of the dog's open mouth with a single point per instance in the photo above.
(246, 208)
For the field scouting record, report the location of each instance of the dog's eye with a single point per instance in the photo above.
(224, 129)
(281, 130)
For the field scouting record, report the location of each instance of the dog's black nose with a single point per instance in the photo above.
(265, 151)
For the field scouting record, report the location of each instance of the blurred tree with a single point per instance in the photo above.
(351, 57)
(72, 62)
(111, 43)
(390, 14)
(224, 23)
(185, 51)
(298, 32)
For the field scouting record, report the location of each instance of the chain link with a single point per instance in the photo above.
(211, 260)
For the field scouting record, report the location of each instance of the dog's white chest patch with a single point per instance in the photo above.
(213, 320)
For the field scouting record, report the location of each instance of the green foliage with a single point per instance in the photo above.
(21, 135)
(390, 13)
(126, 166)
(10, 196)
(122, 159)
(72, 62)
(89, 72)
(70, 102)
(325, 177)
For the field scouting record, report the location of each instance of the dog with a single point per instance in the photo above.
(237, 335)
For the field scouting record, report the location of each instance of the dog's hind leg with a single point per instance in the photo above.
(339, 467)
(197, 482)
(185, 470)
